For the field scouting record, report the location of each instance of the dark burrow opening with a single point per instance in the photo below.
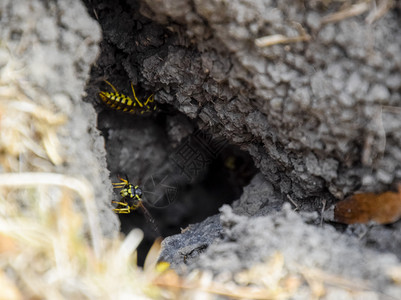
(182, 183)
(185, 172)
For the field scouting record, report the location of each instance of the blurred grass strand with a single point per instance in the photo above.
(81, 186)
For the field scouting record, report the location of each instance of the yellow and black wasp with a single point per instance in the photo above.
(131, 199)
(126, 104)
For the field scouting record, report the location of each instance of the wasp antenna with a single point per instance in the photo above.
(149, 218)
(150, 99)
(112, 86)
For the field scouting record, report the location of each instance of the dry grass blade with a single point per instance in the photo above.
(275, 39)
(359, 8)
(352, 11)
(317, 279)
(380, 11)
(153, 255)
(266, 280)
(395, 274)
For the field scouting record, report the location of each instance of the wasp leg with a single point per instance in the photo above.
(122, 210)
(121, 184)
(114, 89)
(151, 98)
(125, 210)
(123, 180)
(135, 206)
(118, 184)
(133, 91)
(120, 203)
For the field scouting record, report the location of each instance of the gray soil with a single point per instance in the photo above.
(320, 120)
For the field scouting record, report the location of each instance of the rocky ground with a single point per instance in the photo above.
(276, 133)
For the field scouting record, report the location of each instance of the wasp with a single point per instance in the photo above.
(126, 104)
(131, 199)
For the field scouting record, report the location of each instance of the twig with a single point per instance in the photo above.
(293, 202)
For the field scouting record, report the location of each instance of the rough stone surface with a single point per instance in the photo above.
(259, 200)
(237, 242)
(191, 242)
(247, 241)
(56, 42)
